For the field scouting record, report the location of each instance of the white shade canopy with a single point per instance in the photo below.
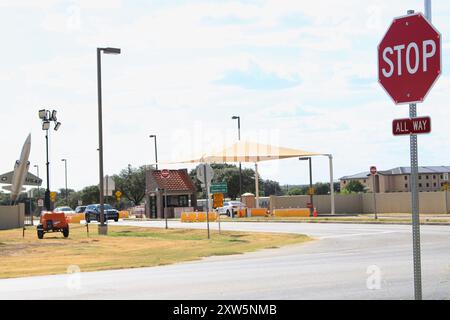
(246, 151)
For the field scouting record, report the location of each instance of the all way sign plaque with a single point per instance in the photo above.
(411, 126)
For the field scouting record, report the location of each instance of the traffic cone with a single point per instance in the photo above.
(315, 212)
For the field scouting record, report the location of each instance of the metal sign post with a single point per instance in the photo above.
(205, 174)
(446, 198)
(207, 198)
(415, 191)
(415, 205)
(415, 210)
(218, 202)
(373, 172)
(446, 191)
(413, 33)
(165, 207)
(165, 174)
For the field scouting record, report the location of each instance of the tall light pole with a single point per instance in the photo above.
(65, 175)
(156, 151)
(240, 166)
(46, 116)
(102, 228)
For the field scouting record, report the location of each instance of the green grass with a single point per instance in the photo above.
(124, 247)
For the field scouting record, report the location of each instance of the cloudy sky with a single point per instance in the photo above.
(301, 74)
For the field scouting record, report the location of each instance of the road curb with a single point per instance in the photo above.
(350, 222)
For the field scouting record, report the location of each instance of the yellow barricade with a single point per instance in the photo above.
(258, 212)
(197, 216)
(192, 216)
(124, 214)
(188, 217)
(201, 216)
(75, 218)
(301, 212)
(184, 217)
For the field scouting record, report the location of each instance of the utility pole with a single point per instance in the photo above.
(102, 228)
(65, 170)
(238, 118)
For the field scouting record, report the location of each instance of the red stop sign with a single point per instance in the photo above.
(409, 58)
(165, 173)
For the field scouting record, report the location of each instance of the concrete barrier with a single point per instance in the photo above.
(302, 212)
(394, 202)
(12, 217)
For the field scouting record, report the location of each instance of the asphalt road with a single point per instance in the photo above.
(346, 261)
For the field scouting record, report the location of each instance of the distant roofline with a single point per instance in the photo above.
(397, 171)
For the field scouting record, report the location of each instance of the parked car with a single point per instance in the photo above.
(230, 207)
(65, 210)
(92, 212)
(80, 209)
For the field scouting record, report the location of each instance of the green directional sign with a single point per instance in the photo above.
(220, 187)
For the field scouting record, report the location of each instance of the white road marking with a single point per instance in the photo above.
(361, 234)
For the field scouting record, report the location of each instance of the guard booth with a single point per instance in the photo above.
(176, 186)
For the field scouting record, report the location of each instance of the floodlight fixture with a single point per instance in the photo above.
(111, 50)
(57, 125)
(42, 114)
(53, 117)
(45, 125)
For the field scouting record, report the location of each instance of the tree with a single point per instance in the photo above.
(131, 182)
(62, 192)
(297, 191)
(90, 195)
(4, 199)
(337, 187)
(271, 187)
(354, 186)
(322, 188)
(229, 173)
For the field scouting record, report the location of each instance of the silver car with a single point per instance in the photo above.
(65, 210)
(230, 207)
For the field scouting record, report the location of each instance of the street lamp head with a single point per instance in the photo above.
(111, 50)
(235, 117)
(152, 136)
(57, 125)
(64, 160)
(304, 158)
(45, 125)
(42, 114)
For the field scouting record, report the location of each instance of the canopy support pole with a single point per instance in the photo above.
(330, 157)
(256, 184)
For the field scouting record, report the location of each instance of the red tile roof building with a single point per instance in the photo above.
(177, 186)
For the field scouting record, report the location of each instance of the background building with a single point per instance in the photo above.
(398, 179)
